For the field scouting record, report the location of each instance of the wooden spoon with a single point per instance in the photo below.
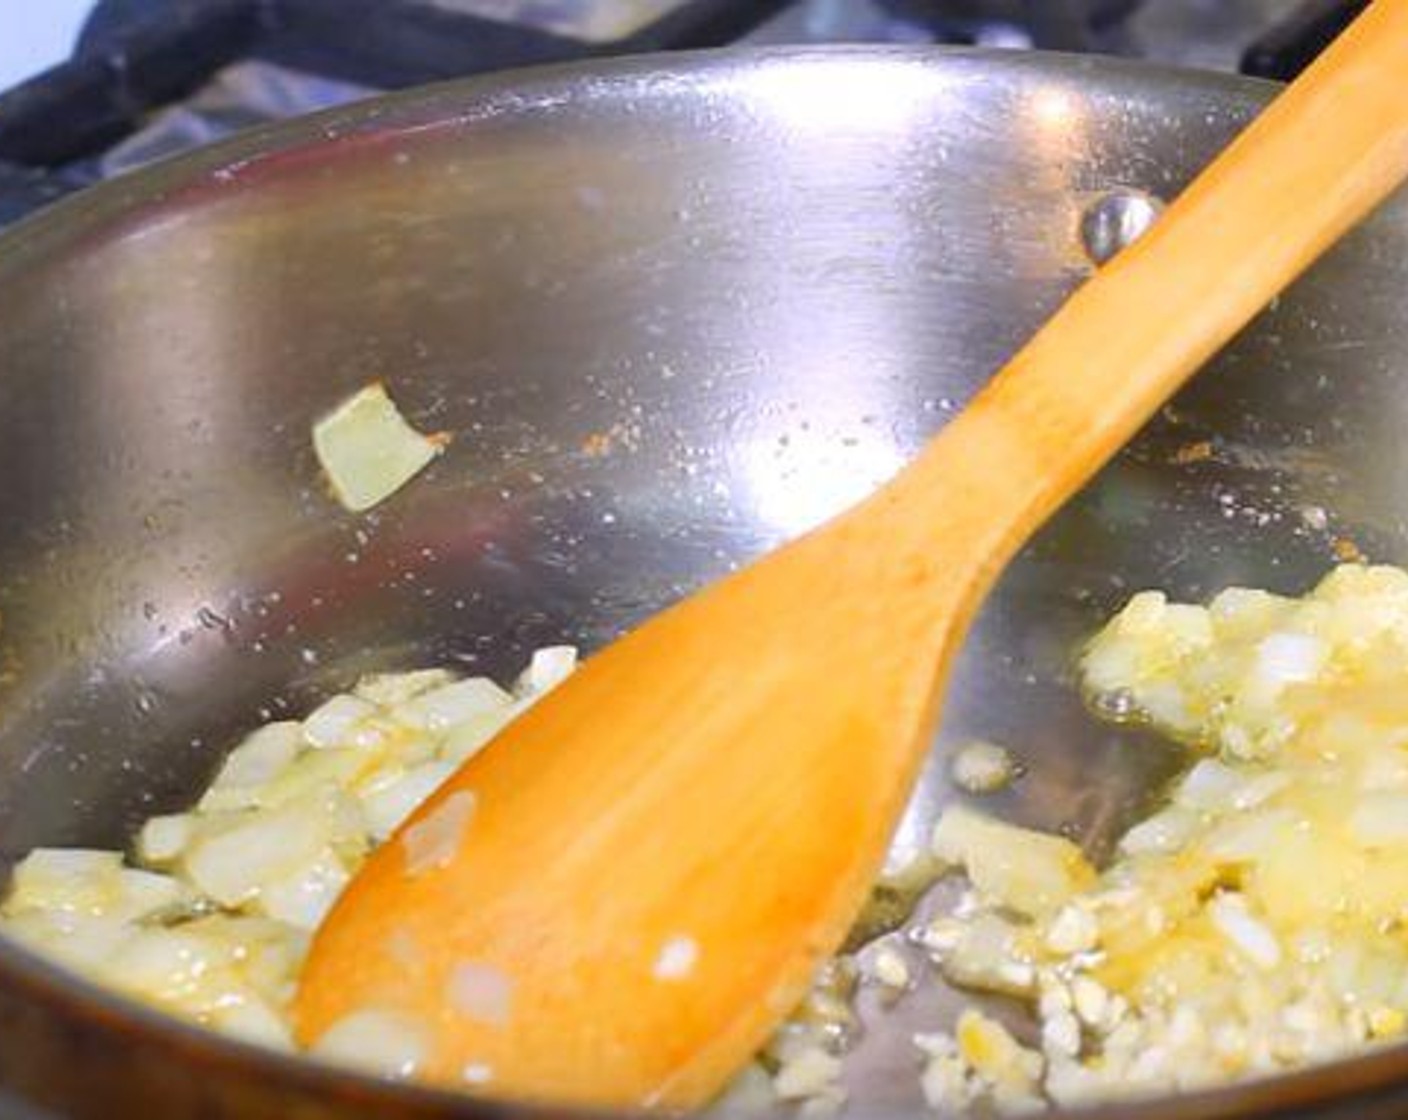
(618, 900)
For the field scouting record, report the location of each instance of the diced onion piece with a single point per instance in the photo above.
(163, 839)
(330, 724)
(385, 1043)
(1234, 921)
(1215, 787)
(1166, 704)
(1253, 836)
(991, 1050)
(390, 689)
(232, 865)
(1258, 788)
(748, 1094)
(253, 1020)
(810, 1073)
(256, 762)
(1166, 831)
(1287, 658)
(314, 772)
(80, 880)
(1384, 770)
(465, 740)
(1073, 930)
(304, 898)
(1148, 631)
(266, 954)
(1380, 819)
(982, 952)
(1211, 785)
(946, 1083)
(982, 767)
(78, 940)
(443, 707)
(389, 806)
(368, 450)
(1030, 872)
(167, 964)
(346, 820)
(889, 968)
(143, 893)
(1242, 612)
(549, 667)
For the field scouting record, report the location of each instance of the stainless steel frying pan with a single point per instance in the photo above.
(760, 280)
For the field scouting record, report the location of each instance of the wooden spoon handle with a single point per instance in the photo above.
(1330, 148)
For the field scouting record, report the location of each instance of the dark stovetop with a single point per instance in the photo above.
(153, 77)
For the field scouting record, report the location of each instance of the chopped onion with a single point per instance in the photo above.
(162, 839)
(70, 879)
(367, 449)
(386, 1043)
(1381, 819)
(982, 767)
(1239, 839)
(991, 1050)
(233, 865)
(81, 941)
(220, 935)
(890, 969)
(1230, 915)
(304, 898)
(1289, 658)
(468, 738)
(389, 806)
(983, 952)
(141, 894)
(1209, 785)
(443, 707)
(1030, 872)
(331, 723)
(168, 964)
(548, 668)
(1165, 831)
(390, 689)
(1074, 930)
(312, 773)
(253, 1020)
(254, 763)
(748, 1094)
(811, 1073)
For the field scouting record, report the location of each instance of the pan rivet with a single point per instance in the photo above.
(1115, 219)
